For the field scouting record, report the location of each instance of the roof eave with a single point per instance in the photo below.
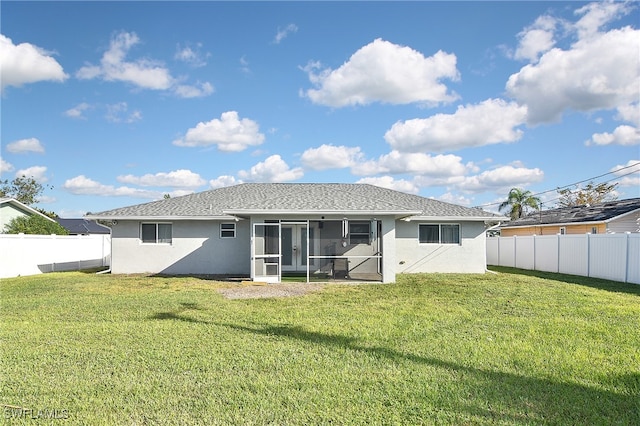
(282, 212)
(166, 218)
(458, 218)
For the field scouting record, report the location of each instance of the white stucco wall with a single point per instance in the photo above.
(467, 257)
(196, 248)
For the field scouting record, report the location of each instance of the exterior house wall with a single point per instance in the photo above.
(467, 257)
(8, 212)
(196, 248)
(553, 229)
(626, 223)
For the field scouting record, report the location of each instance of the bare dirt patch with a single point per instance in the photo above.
(258, 291)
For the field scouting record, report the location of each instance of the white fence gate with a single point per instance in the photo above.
(610, 256)
(36, 254)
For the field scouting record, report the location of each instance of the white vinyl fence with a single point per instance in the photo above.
(36, 254)
(610, 256)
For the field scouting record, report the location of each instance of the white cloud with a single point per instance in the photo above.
(384, 72)
(78, 111)
(422, 164)
(629, 173)
(178, 179)
(36, 172)
(536, 39)
(144, 73)
(284, 33)
(5, 166)
(198, 90)
(490, 122)
(598, 14)
(504, 177)
(25, 63)
(82, 185)
(229, 133)
(191, 55)
(223, 181)
(455, 199)
(273, 169)
(389, 182)
(630, 113)
(25, 145)
(330, 157)
(622, 135)
(118, 113)
(598, 72)
(244, 65)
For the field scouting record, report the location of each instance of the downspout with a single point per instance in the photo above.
(108, 271)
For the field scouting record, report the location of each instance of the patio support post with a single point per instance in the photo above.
(388, 250)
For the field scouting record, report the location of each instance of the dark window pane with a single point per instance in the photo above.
(148, 232)
(227, 230)
(359, 232)
(429, 234)
(450, 234)
(164, 233)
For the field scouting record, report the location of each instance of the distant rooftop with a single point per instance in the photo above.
(83, 226)
(586, 213)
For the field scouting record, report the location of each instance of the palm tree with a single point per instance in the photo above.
(519, 202)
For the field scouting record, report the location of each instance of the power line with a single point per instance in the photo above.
(577, 183)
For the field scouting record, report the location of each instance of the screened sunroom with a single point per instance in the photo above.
(317, 250)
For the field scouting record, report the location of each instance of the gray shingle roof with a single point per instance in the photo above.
(595, 213)
(83, 226)
(290, 198)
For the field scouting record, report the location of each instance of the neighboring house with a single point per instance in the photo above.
(610, 217)
(11, 208)
(83, 227)
(264, 231)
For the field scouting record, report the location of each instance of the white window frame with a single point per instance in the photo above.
(157, 225)
(440, 225)
(563, 230)
(223, 230)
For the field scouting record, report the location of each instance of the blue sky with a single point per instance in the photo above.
(119, 103)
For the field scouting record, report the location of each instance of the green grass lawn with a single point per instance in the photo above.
(506, 348)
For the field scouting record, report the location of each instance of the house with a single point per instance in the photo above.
(609, 217)
(267, 230)
(83, 227)
(11, 208)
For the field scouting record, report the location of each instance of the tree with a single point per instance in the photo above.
(590, 194)
(35, 224)
(24, 189)
(519, 202)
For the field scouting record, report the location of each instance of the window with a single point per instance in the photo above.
(359, 232)
(563, 230)
(439, 234)
(227, 230)
(156, 233)
(594, 229)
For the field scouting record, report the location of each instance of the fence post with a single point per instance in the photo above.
(558, 265)
(626, 262)
(588, 254)
(515, 251)
(534, 252)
